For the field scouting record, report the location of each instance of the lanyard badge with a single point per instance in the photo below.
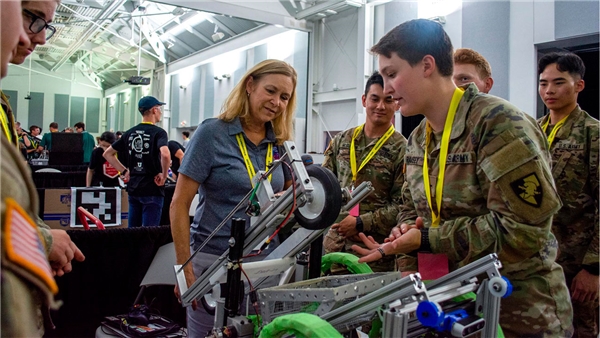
(439, 186)
(247, 162)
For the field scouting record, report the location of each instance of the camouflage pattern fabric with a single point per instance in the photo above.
(499, 197)
(379, 210)
(23, 293)
(575, 171)
(43, 227)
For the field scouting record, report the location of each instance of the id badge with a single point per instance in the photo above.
(432, 266)
(355, 212)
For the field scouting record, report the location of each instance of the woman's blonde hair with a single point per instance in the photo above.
(237, 105)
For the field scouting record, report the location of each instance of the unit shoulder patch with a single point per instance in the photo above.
(528, 189)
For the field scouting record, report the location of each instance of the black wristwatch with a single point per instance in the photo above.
(425, 244)
(124, 172)
(359, 224)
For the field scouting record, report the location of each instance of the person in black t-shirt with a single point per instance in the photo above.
(177, 151)
(147, 164)
(100, 172)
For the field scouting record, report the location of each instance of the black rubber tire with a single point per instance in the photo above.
(332, 195)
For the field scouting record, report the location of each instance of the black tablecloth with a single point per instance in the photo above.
(69, 176)
(66, 180)
(107, 282)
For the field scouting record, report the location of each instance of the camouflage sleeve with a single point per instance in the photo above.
(383, 219)
(515, 177)
(591, 256)
(407, 212)
(46, 234)
(330, 161)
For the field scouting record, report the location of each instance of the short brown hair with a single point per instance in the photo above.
(414, 39)
(471, 57)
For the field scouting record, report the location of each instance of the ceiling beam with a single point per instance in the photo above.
(221, 25)
(89, 73)
(242, 12)
(152, 39)
(182, 44)
(125, 57)
(240, 42)
(90, 30)
(197, 34)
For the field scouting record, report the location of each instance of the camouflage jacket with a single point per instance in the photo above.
(575, 171)
(498, 197)
(43, 227)
(378, 211)
(27, 280)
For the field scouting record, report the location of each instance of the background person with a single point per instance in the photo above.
(379, 159)
(146, 167)
(88, 142)
(100, 172)
(177, 152)
(186, 138)
(573, 139)
(257, 116)
(470, 66)
(46, 142)
(495, 194)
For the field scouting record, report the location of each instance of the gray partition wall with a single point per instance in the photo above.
(92, 115)
(36, 110)
(77, 108)
(61, 110)
(12, 100)
(209, 90)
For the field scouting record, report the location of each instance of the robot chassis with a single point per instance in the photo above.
(316, 200)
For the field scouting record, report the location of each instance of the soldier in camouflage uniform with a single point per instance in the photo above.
(376, 214)
(27, 278)
(497, 193)
(574, 150)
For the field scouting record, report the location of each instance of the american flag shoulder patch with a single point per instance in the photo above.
(24, 245)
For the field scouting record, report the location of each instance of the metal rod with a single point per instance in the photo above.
(234, 271)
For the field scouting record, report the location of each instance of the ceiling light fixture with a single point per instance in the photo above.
(218, 36)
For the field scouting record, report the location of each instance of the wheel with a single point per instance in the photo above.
(430, 314)
(326, 203)
(209, 303)
(499, 287)
(346, 259)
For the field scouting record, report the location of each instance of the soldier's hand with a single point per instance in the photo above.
(398, 231)
(409, 241)
(63, 251)
(584, 287)
(347, 227)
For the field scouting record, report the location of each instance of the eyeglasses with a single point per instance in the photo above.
(38, 24)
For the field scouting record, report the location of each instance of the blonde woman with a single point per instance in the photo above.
(257, 117)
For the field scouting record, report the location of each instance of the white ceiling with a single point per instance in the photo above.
(112, 40)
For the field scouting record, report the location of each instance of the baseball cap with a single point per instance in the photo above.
(147, 102)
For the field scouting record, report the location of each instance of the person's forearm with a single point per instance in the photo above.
(180, 230)
(88, 177)
(110, 156)
(165, 163)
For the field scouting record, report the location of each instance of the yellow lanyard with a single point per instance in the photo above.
(249, 166)
(556, 128)
(439, 186)
(372, 153)
(5, 127)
